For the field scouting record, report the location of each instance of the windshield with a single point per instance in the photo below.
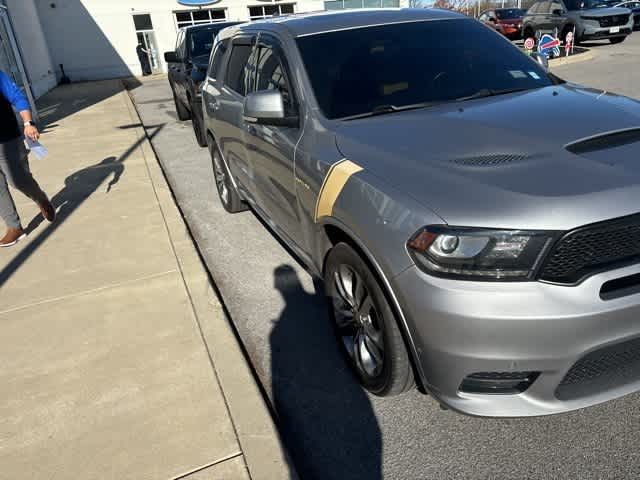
(201, 41)
(587, 4)
(360, 70)
(509, 13)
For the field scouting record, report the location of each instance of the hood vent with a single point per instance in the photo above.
(489, 160)
(605, 141)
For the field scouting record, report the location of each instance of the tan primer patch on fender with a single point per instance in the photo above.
(333, 184)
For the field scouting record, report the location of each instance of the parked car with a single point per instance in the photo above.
(497, 268)
(635, 9)
(591, 19)
(507, 21)
(187, 69)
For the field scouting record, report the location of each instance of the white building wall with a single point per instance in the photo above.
(96, 39)
(33, 45)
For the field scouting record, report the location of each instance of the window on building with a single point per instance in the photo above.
(143, 22)
(264, 11)
(200, 17)
(342, 4)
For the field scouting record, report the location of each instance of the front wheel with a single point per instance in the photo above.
(198, 128)
(615, 40)
(227, 192)
(365, 324)
(182, 111)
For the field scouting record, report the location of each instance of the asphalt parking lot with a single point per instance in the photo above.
(331, 427)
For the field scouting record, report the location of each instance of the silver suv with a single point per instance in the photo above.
(498, 269)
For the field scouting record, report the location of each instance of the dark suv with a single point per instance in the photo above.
(592, 20)
(188, 68)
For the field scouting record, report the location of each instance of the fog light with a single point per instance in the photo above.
(498, 383)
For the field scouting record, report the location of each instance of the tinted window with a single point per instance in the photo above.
(544, 7)
(556, 5)
(586, 4)
(236, 78)
(509, 13)
(534, 8)
(355, 71)
(272, 76)
(201, 41)
(217, 58)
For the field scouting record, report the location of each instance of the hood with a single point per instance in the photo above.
(603, 12)
(502, 161)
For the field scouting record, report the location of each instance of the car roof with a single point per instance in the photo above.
(313, 23)
(209, 26)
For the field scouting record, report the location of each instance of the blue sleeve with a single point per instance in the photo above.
(13, 93)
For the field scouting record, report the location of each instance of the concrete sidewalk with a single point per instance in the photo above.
(116, 359)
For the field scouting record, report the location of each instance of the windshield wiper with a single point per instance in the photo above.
(488, 92)
(387, 108)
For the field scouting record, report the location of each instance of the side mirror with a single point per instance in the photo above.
(266, 107)
(171, 57)
(492, 20)
(542, 60)
(558, 12)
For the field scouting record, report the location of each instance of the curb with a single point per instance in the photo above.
(581, 57)
(264, 453)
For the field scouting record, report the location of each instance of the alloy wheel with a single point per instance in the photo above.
(220, 176)
(358, 322)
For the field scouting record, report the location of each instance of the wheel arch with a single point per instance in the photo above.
(334, 232)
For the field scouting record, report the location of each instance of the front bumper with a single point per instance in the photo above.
(601, 33)
(460, 328)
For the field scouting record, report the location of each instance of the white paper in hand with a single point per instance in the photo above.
(37, 148)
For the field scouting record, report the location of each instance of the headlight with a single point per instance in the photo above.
(479, 254)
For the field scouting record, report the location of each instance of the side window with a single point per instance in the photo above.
(544, 7)
(237, 71)
(180, 47)
(534, 8)
(217, 57)
(483, 18)
(272, 75)
(556, 5)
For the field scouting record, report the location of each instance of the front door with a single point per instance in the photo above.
(271, 148)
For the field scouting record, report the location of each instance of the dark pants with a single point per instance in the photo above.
(144, 63)
(14, 171)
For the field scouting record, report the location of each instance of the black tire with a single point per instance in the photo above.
(229, 197)
(198, 127)
(381, 362)
(615, 40)
(181, 110)
(528, 32)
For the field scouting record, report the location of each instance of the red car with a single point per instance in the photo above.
(507, 21)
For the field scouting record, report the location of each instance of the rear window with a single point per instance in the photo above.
(357, 71)
(236, 78)
(201, 41)
(509, 13)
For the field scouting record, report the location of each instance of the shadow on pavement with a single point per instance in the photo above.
(324, 414)
(79, 186)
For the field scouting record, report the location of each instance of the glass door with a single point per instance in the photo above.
(147, 38)
(10, 60)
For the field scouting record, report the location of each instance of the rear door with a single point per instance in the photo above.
(558, 16)
(230, 126)
(271, 148)
(179, 70)
(545, 19)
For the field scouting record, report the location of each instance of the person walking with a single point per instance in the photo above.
(143, 56)
(14, 162)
